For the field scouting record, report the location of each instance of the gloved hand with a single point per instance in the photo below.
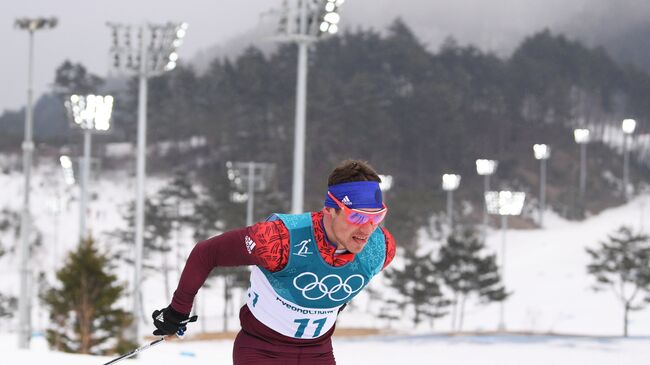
(170, 322)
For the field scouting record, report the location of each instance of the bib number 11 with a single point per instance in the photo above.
(304, 322)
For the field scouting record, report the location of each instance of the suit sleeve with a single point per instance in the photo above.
(265, 244)
(227, 249)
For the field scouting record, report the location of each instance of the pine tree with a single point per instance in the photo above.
(622, 264)
(467, 272)
(8, 304)
(83, 314)
(417, 288)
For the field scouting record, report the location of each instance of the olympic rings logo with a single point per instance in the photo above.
(331, 286)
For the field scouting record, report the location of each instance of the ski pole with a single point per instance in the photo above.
(180, 334)
(134, 352)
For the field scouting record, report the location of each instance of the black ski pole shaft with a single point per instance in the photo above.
(134, 352)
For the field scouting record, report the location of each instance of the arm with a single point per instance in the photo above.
(264, 244)
(227, 249)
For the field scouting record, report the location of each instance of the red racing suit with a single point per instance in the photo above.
(265, 244)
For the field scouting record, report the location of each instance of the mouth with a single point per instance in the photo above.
(360, 239)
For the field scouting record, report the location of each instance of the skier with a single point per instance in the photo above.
(306, 268)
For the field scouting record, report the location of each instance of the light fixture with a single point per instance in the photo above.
(386, 182)
(628, 126)
(450, 182)
(486, 167)
(542, 151)
(581, 135)
(505, 202)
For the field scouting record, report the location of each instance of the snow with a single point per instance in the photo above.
(553, 316)
(432, 349)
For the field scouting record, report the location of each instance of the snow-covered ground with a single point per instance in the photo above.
(440, 350)
(545, 269)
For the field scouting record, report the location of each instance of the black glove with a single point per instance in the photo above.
(170, 322)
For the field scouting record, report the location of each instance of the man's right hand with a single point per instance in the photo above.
(170, 322)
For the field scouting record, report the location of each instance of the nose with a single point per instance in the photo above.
(368, 227)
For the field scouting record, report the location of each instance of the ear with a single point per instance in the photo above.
(328, 211)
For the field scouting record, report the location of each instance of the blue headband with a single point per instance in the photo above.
(356, 195)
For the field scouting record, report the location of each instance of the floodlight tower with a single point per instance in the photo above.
(31, 25)
(91, 113)
(250, 177)
(450, 182)
(542, 153)
(486, 168)
(581, 136)
(146, 51)
(504, 203)
(310, 14)
(628, 126)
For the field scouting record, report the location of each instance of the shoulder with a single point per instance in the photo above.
(269, 243)
(390, 247)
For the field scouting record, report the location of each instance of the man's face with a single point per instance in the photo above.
(352, 237)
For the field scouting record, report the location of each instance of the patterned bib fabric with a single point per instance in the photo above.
(302, 300)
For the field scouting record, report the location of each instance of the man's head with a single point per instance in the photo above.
(353, 205)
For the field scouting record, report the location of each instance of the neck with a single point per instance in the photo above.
(329, 231)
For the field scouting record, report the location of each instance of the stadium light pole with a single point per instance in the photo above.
(542, 153)
(251, 177)
(504, 203)
(628, 126)
(450, 182)
(151, 52)
(308, 12)
(91, 113)
(31, 25)
(486, 168)
(581, 136)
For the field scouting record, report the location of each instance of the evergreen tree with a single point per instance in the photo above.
(417, 288)
(622, 264)
(8, 303)
(466, 271)
(82, 305)
(74, 78)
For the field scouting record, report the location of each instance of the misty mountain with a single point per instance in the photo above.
(621, 27)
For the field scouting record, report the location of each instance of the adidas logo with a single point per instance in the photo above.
(250, 244)
(346, 200)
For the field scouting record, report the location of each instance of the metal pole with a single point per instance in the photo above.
(139, 206)
(542, 190)
(301, 107)
(85, 172)
(502, 310)
(450, 209)
(251, 192)
(583, 169)
(486, 188)
(24, 303)
(626, 167)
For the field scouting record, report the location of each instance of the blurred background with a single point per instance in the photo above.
(512, 138)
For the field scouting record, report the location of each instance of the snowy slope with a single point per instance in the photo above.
(545, 269)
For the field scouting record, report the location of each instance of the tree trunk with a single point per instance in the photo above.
(85, 318)
(226, 301)
(453, 312)
(462, 312)
(165, 270)
(625, 315)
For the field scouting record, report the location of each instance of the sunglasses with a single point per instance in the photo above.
(360, 217)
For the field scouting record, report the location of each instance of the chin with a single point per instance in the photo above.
(355, 247)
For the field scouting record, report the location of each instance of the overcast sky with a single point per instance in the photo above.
(82, 35)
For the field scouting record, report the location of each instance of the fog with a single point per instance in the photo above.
(82, 36)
